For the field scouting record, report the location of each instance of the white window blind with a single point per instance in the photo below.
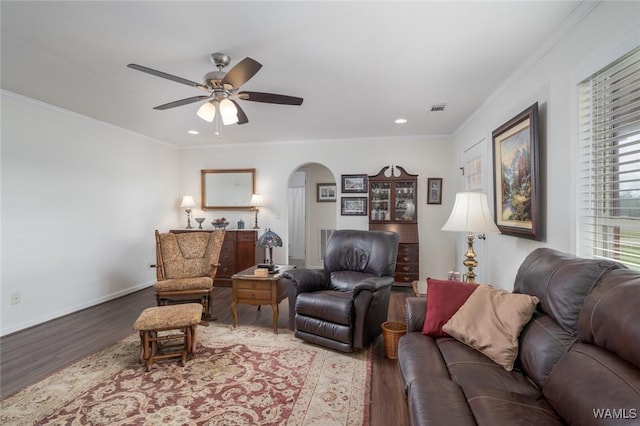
(609, 167)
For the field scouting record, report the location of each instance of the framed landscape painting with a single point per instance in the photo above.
(515, 175)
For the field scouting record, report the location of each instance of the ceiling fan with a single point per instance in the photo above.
(222, 91)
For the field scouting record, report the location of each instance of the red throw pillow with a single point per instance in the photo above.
(444, 298)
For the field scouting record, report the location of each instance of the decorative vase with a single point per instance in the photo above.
(200, 220)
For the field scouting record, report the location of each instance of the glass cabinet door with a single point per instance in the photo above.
(405, 201)
(380, 201)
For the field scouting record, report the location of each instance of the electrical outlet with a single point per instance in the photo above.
(15, 298)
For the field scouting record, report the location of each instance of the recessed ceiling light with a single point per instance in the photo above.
(193, 132)
(400, 120)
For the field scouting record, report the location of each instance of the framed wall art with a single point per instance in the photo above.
(354, 183)
(353, 206)
(515, 175)
(327, 193)
(435, 191)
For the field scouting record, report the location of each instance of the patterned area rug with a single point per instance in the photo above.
(246, 376)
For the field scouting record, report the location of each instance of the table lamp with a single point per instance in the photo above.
(256, 202)
(187, 202)
(470, 214)
(270, 240)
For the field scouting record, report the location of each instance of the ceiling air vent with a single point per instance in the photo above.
(438, 107)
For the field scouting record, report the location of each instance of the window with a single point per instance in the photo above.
(609, 168)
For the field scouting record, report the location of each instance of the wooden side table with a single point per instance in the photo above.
(250, 289)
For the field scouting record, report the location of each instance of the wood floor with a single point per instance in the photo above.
(33, 354)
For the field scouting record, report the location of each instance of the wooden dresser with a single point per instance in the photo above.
(239, 252)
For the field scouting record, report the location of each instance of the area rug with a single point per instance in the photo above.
(242, 376)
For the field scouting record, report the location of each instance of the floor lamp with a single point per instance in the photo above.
(471, 214)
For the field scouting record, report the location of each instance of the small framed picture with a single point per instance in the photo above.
(354, 183)
(353, 206)
(327, 193)
(435, 191)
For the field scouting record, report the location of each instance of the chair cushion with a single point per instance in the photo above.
(490, 321)
(169, 317)
(190, 254)
(178, 284)
(331, 306)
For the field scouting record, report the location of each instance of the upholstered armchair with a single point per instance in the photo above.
(186, 265)
(344, 305)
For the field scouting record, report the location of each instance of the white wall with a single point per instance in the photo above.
(80, 201)
(275, 162)
(550, 79)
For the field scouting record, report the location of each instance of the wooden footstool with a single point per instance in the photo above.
(183, 319)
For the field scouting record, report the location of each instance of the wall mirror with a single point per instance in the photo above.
(227, 189)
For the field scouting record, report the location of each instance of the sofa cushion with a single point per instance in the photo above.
(468, 367)
(490, 321)
(592, 386)
(542, 343)
(437, 401)
(443, 300)
(498, 406)
(619, 292)
(561, 281)
(419, 357)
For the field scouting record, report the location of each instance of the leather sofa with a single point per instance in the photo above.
(343, 305)
(578, 361)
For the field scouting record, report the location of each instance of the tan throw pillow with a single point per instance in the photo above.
(490, 321)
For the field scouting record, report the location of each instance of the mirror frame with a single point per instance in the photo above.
(203, 188)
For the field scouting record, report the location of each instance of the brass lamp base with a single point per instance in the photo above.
(470, 262)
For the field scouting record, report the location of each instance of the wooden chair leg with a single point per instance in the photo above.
(194, 339)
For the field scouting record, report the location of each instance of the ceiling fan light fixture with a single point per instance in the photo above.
(207, 111)
(228, 111)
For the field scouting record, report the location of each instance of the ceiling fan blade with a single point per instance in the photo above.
(271, 98)
(181, 102)
(242, 117)
(242, 72)
(168, 76)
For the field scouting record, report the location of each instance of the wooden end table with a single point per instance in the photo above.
(250, 289)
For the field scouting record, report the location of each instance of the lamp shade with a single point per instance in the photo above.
(187, 201)
(256, 200)
(269, 239)
(228, 111)
(471, 214)
(207, 111)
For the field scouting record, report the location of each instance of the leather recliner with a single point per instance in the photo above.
(344, 305)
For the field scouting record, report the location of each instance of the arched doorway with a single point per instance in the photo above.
(310, 221)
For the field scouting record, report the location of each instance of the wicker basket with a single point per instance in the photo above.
(392, 331)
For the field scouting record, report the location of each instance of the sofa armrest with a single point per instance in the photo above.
(415, 310)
